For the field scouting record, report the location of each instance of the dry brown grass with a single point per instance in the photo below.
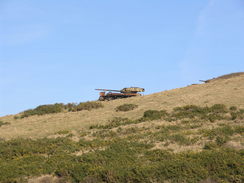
(46, 179)
(227, 76)
(228, 91)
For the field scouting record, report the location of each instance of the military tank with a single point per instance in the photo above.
(108, 94)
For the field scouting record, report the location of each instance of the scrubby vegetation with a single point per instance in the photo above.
(4, 123)
(43, 109)
(215, 112)
(59, 107)
(126, 107)
(223, 131)
(121, 161)
(190, 112)
(153, 115)
(139, 150)
(87, 106)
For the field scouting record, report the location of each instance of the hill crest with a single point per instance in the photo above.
(227, 89)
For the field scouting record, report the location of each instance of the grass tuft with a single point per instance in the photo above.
(126, 107)
(4, 123)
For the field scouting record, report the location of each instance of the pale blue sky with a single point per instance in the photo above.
(60, 51)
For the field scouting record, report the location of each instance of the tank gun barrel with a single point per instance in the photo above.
(108, 90)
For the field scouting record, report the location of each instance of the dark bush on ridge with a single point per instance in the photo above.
(59, 107)
(70, 106)
(43, 109)
(126, 107)
(87, 106)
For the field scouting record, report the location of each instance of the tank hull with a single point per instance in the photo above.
(113, 96)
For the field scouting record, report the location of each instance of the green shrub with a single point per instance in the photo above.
(233, 108)
(210, 146)
(87, 106)
(237, 115)
(4, 123)
(70, 106)
(120, 161)
(215, 112)
(224, 131)
(126, 107)
(59, 107)
(220, 140)
(189, 111)
(219, 108)
(17, 117)
(234, 115)
(43, 109)
(213, 117)
(154, 114)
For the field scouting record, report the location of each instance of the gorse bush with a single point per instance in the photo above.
(87, 106)
(154, 114)
(70, 106)
(4, 123)
(126, 107)
(129, 154)
(59, 107)
(223, 131)
(213, 113)
(237, 114)
(120, 161)
(233, 108)
(218, 108)
(189, 113)
(43, 109)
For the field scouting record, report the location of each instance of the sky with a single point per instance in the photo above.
(59, 51)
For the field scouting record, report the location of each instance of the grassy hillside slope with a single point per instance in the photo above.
(191, 134)
(228, 91)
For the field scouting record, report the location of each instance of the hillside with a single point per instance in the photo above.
(190, 134)
(228, 91)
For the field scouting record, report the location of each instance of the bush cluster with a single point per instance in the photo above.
(154, 114)
(87, 106)
(126, 107)
(115, 122)
(3, 123)
(191, 112)
(43, 109)
(215, 112)
(223, 131)
(59, 107)
(121, 161)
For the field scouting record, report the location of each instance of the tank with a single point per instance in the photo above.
(108, 94)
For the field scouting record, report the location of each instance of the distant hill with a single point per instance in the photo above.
(188, 134)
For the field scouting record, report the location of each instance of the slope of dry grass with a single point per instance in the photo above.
(226, 76)
(228, 91)
(149, 143)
